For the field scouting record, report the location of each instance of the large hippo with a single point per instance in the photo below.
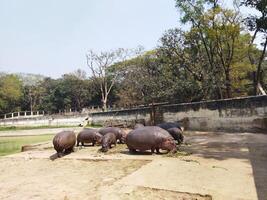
(89, 136)
(176, 133)
(64, 142)
(119, 133)
(150, 138)
(107, 140)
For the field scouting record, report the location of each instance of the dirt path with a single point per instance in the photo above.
(221, 166)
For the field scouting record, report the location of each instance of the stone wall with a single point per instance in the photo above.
(246, 114)
(52, 120)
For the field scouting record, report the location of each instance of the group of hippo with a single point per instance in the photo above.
(163, 136)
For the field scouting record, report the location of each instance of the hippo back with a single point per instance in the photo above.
(117, 131)
(146, 137)
(168, 125)
(64, 140)
(87, 134)
(138, 125)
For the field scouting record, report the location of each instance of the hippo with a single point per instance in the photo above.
(119, 133)
(89, 136)
(167, 125)
(176, 133)
(138, 125)
(107, 140)
(150, 138)
(64, 142)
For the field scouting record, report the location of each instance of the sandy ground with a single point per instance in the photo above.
(210, 165)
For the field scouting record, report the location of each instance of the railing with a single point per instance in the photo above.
(67, 112)
(22, 114)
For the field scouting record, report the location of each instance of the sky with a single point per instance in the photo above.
(52, 37)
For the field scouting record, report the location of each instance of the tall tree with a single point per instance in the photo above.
(100, 65)
(217, 32)
(258, 24)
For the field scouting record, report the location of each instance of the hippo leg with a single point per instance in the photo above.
(69, 150)
(93, 143)
(132, 150)
(157, 149)
(59, 154)
(152, 150)
(82, 143)
(78, 143)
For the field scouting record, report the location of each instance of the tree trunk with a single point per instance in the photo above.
(104, 101)
(259, 71)
(228, 84)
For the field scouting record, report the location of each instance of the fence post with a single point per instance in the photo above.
(12, 115)
(18, 114)
(4, 116)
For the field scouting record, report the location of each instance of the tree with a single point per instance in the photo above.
(149, 78)
(103, 74)
(10, 93)
(258, 24)
(216, 36)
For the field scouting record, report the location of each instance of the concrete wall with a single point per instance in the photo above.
(238, 114)
(53, 120)
(235, 115)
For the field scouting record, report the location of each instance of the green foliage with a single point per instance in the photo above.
(214, 50)
(10, 93)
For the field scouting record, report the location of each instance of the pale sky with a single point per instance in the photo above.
(51, 37)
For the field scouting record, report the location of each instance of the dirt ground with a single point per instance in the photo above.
(209, 166)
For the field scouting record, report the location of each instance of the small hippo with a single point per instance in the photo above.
(64, 142)
(167, 125)
(176, 133)
(89, 136)
(150, 138)
(119, 133)
(138, 125)
(107, 140)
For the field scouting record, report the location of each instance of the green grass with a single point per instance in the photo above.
(93, 126)
(10, 145)
(11, 128)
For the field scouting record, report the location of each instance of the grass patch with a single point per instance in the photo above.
(117, 149)
(10, 145)
(93, 126)
(14, 128)
(178, 154)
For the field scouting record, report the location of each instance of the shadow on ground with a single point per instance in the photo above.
(221, 146)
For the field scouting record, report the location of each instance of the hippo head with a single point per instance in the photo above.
(123, 136)
(169, 145)
(99, 138)
(104, 147)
